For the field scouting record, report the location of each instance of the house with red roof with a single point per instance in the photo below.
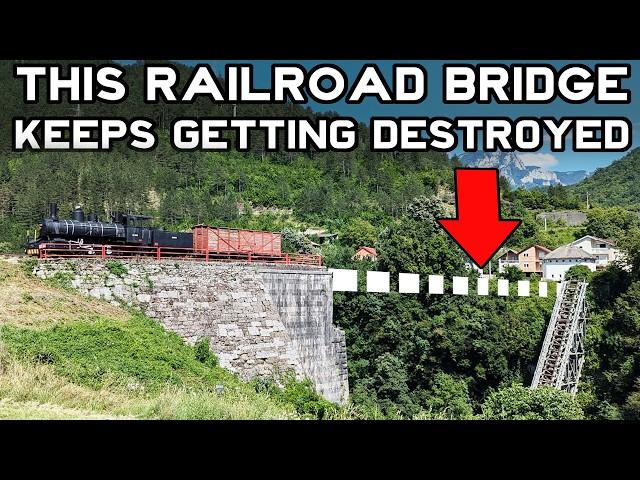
(366, 253)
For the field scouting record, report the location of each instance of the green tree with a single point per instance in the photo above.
(632, 405)
(449, 397)
(610, 222)
(579, 272)
(512, 273)
(358, 233)
(391, 384)
(617, 346)
(520, 403)
(630, 245)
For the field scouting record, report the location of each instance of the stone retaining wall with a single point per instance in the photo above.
(252, 328)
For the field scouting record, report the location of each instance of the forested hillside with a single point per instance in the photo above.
(617, 184)
(183, 188)
(449, 357)
(354, 194)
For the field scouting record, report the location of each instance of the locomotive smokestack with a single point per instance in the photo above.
(53, 211)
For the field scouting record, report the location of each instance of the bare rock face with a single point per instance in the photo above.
(261, 321)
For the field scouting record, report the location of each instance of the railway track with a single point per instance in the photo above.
(562, 356)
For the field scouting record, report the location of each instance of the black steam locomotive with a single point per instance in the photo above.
(123, 229)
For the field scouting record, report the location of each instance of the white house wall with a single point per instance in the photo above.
(584, 244)
(605, 255)
(556, 269)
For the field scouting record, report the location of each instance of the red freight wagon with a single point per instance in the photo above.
(230, 240)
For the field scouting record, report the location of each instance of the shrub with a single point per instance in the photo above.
(520, 403)
(295, 242)
(61, 280)
(304, 398)
(579, 272)
(265, 385)
(203, 352)
(116, 268)
(449, 397)
(512, 273)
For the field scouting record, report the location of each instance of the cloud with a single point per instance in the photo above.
(545, 160)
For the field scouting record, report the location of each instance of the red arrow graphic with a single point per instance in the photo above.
(478, 227)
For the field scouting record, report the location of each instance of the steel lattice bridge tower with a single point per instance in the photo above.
(562, 355)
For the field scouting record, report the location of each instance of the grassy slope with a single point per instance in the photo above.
(66, 356)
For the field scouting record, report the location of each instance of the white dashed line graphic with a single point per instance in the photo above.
(409, 283)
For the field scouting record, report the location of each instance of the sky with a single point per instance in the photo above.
(433, 106)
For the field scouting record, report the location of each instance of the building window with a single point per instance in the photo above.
(526, 265)
(602, 245)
